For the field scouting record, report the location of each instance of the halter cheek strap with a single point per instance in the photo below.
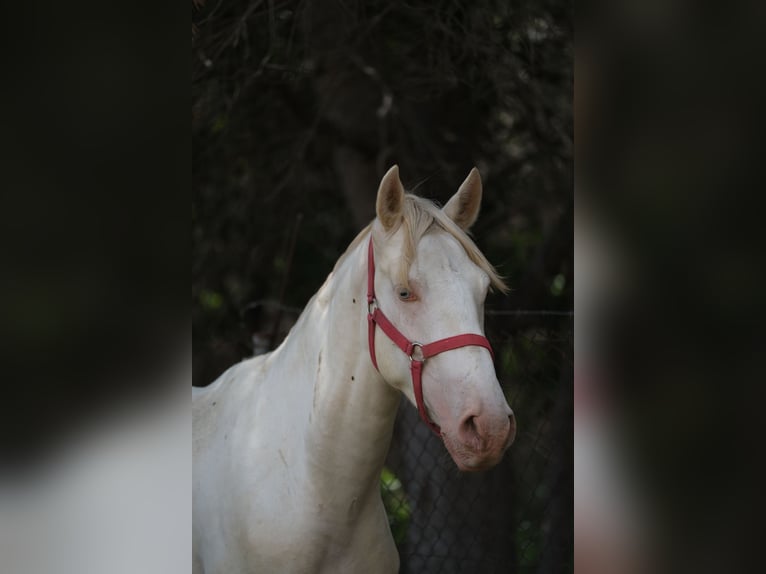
(375, 317)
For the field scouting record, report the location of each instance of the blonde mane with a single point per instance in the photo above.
(420, 216)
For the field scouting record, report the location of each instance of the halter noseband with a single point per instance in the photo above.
(376, 317)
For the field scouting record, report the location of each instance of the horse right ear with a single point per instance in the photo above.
(390, 199)
(463, 207)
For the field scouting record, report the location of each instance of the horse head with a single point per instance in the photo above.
(431, 281)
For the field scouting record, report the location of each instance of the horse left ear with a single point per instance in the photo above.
(390, 202)
(463, 207)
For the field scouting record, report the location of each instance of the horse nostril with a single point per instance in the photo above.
(469, 432)
(486, 432)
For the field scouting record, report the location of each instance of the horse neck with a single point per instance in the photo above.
(352, 411)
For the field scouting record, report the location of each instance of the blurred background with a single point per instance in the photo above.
(298, 108)
(669, 252)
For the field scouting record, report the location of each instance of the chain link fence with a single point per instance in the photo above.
(518, 516)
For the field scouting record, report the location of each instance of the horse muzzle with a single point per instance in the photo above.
(481, 440)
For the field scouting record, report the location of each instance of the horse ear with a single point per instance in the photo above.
(463, 207)
(390, 199)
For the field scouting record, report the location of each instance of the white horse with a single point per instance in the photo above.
(289, 446)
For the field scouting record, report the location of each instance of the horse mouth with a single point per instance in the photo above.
(470, 460)
(475, 466)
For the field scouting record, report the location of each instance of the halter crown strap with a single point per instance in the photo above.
(376, 317)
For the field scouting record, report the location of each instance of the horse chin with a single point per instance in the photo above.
(468, 460)
(474, 467)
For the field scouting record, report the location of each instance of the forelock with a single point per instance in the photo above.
(421, 215)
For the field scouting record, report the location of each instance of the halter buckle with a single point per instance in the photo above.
(372, 304)
(411, 352)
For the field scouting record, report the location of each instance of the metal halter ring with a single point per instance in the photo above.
(412, 351)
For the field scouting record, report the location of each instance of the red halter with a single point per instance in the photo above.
(376, 317)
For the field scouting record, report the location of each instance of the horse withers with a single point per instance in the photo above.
(289, 446)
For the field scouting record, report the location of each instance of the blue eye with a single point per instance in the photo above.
(405, 294)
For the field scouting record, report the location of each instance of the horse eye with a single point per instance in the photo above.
(404, 293)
